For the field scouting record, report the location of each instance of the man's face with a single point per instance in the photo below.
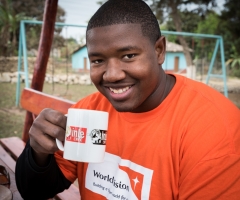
(125, 66)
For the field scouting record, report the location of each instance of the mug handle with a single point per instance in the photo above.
(59, 143)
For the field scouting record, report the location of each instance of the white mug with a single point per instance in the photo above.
(86, 134)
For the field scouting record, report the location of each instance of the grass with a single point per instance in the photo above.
(12, 117)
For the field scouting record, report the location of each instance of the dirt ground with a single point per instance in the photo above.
(233, 86)
(235, 98)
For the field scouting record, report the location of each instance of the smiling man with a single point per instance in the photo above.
(126, 70)
(169, 137)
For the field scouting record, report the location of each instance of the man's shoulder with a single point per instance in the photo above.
(200, 92)
(199, 99)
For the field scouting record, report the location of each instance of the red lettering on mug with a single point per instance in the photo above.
(76, 134)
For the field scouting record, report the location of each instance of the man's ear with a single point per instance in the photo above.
(160, 48)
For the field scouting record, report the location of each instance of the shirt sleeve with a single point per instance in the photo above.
(68, 168)
(32, 180)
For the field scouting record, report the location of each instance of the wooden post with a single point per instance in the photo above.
(44, 48)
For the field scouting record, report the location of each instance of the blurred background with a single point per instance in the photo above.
(68, 67)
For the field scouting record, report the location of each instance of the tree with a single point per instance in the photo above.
(230, 21)
(70, 45)
(234, 63)
(36, 13)
(8, 27)
(230, 29)
(12, 12)
(166, 10)
(209, 25)
(191, 21)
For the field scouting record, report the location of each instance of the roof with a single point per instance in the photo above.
(173, 47)
(79, 48)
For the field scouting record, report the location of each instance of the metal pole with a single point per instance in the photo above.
(19, 66)
(212, 61)
(25, 57)
(223, 67)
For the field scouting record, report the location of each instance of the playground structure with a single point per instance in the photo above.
(190, 70)
(22, 52)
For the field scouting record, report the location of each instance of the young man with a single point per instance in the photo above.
(168, 138)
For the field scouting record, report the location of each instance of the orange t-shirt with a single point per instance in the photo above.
(186, 148)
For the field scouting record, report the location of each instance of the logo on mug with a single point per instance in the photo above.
(76, 134)
(98, 136)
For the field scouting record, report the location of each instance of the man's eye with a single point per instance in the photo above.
(129, 56)
(97, 61)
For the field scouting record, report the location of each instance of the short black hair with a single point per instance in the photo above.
(127, 12)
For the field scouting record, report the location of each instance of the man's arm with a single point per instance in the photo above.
(36, 182)
(37, 173)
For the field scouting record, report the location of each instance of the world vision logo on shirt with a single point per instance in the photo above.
(76, 134)
(136, 180)
(111, 180)
(118, 178)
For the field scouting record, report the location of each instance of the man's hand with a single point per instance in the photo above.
(48, 126)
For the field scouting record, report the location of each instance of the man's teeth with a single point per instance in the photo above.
(119, 91)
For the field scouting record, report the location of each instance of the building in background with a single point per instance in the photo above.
(174, 61)
(80, 61)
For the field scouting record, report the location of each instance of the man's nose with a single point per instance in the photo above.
(114, 71)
